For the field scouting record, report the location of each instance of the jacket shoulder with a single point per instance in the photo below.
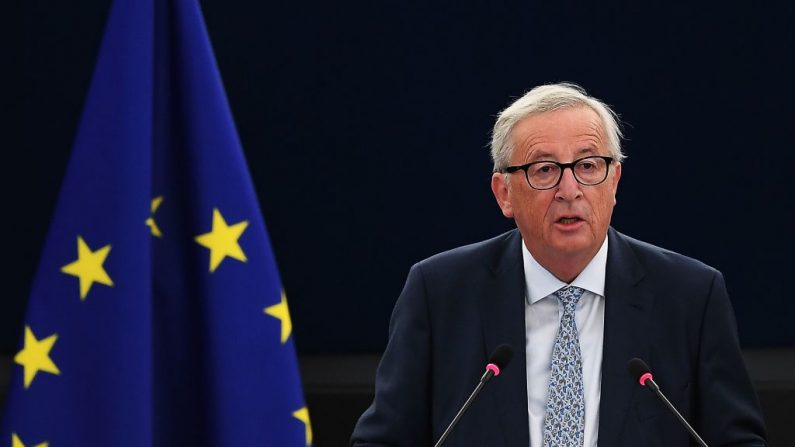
(662, 260)
(489, 253)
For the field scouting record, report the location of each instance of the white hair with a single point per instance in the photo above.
(548, 98)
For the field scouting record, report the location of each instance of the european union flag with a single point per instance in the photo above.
(156, 316)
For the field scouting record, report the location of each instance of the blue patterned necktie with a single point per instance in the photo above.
(564, 422)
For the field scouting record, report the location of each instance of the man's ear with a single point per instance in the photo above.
(615, 179)
(502, 192)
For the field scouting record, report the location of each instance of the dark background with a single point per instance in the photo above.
(366, 126)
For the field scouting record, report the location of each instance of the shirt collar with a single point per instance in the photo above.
(540, 283)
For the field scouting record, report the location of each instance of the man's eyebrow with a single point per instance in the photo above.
(540, 154)
(545, 155)
(587, 150)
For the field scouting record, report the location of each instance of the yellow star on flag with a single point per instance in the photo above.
(16, 442)
(35, 356)
(88, 267)
(222, 240)
(150, 222)
(303, 416)
(281, 312)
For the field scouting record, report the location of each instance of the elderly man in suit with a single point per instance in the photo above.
(575, 299)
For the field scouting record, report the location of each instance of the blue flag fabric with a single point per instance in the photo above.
(156, 316)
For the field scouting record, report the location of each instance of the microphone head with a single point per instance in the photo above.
(637, 369)
(501, 356)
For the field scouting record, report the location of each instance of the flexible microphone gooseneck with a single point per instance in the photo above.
(499, 359)
(640, 371)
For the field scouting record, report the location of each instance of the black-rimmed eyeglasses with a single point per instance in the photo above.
(543, 175)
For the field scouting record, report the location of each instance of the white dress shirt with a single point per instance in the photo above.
(542, 319)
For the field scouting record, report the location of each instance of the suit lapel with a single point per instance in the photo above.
(502, 314)
(627, 308)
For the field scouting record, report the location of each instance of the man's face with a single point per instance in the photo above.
(568, 222)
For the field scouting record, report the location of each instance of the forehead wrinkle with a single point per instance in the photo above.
(596, 135)
(590, 145)
(591, 140)
(526, 145)
(594, 139)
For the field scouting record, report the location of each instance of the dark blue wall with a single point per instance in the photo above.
(366, 127)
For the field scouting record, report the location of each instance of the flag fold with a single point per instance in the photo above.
(156, 316)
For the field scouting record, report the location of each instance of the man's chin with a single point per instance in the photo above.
(573, 244)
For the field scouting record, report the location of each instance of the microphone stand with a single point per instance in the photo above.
(656, 389)
(486, 376)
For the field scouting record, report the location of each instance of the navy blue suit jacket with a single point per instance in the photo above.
(665, 308)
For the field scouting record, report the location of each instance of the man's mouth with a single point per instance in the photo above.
(569, 220)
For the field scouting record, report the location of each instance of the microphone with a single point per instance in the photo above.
(640, 371)
(498, 360)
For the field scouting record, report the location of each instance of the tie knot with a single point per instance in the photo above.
(569, 296)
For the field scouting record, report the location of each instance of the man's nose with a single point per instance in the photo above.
(568, 188)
